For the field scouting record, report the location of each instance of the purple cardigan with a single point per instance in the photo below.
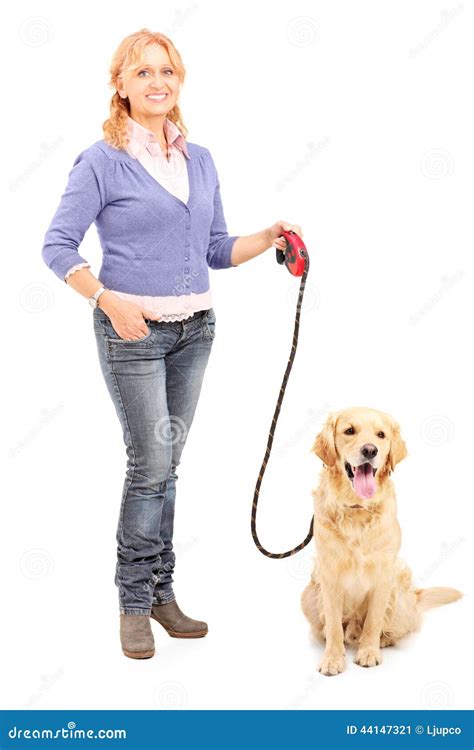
(152, 243)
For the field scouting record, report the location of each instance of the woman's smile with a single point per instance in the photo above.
(156, 97)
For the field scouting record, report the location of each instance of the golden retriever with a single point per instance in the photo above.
(360, 593)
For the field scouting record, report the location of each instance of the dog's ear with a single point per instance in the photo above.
(324, 445)
(398, 449)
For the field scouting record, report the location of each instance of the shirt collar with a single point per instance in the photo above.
(139, 137)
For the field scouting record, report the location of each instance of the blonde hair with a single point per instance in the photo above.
(127, 58)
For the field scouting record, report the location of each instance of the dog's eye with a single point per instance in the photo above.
(349, 431)
(381, 434)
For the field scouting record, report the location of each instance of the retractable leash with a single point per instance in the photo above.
(295, 258)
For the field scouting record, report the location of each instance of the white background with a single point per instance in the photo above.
(354, 121)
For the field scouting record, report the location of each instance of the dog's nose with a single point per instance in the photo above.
(369, 451)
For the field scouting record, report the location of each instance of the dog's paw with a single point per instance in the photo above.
(332, 664)
(368, 656)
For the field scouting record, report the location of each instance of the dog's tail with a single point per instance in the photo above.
(435, 597)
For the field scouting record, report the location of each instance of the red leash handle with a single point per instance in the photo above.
(295, 255)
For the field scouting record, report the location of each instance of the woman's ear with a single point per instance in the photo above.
(398, 449)
(324, 445)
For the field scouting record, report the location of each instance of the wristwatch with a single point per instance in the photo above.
(95, 297)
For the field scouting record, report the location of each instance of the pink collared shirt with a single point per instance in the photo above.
(172, 174)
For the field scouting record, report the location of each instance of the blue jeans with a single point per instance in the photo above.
(154, 383)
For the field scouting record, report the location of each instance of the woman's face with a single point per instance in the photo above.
(156, 75)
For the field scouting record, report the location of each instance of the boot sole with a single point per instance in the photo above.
(139, 654)
(175, 634)
(198, 634)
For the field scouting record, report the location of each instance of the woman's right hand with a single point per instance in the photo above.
(127, 318)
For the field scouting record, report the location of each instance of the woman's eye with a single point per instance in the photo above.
(168, 70)
(381, 434)
(349, 431)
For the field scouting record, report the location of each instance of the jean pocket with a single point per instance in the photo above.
(209, 327)
(114, 338)
(99, 319)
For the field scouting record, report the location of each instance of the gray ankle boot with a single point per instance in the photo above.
(136, 636)
(176, 623)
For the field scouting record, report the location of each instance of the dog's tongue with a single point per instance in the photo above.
(364, 481)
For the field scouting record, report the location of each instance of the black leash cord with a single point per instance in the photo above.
(272, 432)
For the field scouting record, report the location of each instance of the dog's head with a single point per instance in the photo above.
(361, 443)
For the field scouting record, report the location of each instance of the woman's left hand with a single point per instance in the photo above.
(275, 233)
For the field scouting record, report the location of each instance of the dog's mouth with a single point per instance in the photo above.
(362, 478)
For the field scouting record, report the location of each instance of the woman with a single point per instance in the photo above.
(155, 200)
